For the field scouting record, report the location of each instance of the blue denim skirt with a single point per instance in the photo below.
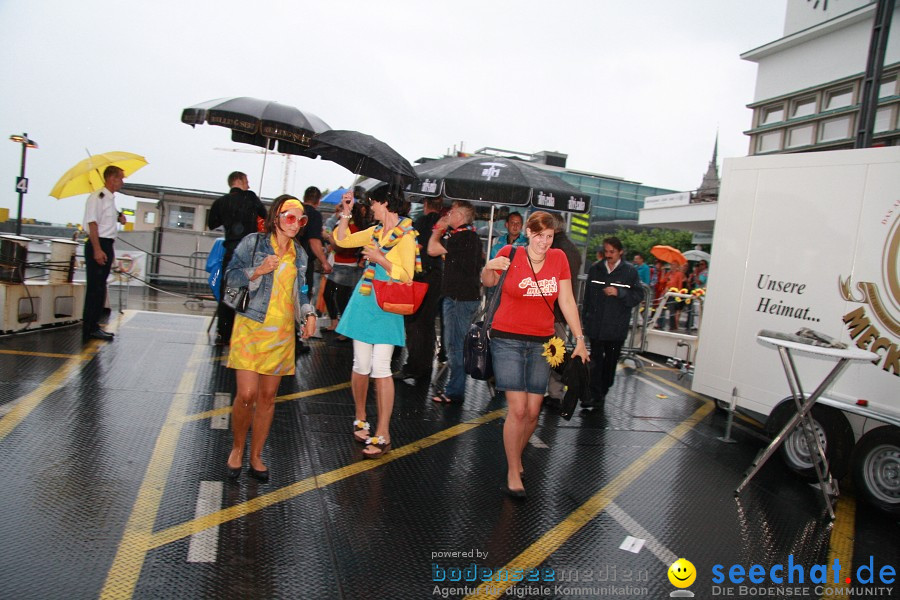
(519, 366)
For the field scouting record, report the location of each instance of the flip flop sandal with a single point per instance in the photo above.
(361, 426)
(441, 398)
(378, 442)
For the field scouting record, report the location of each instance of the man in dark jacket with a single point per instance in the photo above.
(613, 290)
(236, 212)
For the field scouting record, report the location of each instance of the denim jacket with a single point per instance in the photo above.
(241, 268)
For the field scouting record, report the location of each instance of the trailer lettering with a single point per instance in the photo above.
(856, 321)
(779, 308)
(868, 336)
(766, 282)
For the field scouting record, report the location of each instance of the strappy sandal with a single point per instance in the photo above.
(380, 444)
(361, 426)
(442, 398)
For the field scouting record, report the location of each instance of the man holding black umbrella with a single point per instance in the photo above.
(236, 212)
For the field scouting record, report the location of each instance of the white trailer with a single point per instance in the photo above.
(811, 240)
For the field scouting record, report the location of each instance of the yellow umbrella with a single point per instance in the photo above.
(87, 175)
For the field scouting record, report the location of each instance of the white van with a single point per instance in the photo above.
(811, 241)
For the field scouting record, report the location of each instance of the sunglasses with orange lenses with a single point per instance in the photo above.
(289, 218)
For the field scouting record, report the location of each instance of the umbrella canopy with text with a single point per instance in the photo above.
(496, 180)
(87, 175)
(259, 122)
(668, 254)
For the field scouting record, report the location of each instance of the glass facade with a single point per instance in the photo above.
(613, 199)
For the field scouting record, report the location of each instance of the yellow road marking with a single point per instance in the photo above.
(548, 543)
(45, 354)
(123, 575)
(703, 398)
(227, 409)
(26, 404)
(237, 511)
(138, 537)
(840, 545)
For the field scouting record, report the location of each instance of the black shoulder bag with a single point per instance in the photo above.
(477, 343)
(237, 298)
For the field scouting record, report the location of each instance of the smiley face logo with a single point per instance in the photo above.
(682, 573)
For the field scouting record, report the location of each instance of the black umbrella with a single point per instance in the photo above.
(259, 122)
(363, 155)
(495, 180)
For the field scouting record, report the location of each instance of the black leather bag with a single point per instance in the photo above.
(477, 343)
(577, 378)
(238, 298)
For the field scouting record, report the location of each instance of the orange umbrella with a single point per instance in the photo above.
(668, 254)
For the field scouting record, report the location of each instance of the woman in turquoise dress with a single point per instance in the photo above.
(391, 251)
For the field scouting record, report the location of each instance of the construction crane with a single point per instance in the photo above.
(288, 165)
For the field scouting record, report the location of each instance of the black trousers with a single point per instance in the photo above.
(224, 313)
(604, 359)
(95, 291)
(337, 297)
(420, 333)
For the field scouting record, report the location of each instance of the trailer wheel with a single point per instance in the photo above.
(834, 432)
(876, 469)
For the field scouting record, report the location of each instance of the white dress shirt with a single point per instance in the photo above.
(101, 209)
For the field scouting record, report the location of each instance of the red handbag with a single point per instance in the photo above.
(398, 297)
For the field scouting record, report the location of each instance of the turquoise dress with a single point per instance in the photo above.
(365, 321)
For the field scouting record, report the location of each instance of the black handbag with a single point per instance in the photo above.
(477, 343)
(577, 378)
(237, 298)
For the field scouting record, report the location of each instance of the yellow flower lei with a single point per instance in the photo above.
(555, 351)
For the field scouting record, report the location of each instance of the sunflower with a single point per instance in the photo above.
(555, 351)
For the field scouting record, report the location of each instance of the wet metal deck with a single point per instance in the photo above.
(112, 458)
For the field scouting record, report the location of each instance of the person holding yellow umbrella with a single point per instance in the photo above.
(100, 218)
(100, 222)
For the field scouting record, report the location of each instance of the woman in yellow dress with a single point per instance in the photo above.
(273, 267)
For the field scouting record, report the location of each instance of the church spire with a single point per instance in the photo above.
(709, 188)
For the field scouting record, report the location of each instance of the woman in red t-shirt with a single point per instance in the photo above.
(538, 277)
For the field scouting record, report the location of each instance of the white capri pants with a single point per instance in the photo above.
(372, 359)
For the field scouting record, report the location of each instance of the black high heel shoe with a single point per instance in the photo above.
(233, 473)
(518, 494)
(262, 476)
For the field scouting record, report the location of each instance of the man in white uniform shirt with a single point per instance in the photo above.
(100, 221)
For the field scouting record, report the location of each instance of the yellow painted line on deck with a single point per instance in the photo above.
(138, 537)
(126, 568)
(227, 409)
(177, 532)
(680, 388)
(840, 546)
(26, 404)
(46, 354)
(550, 542)
(843, 532)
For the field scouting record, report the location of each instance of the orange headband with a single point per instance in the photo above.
(292, 203)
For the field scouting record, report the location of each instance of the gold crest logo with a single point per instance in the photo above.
(885, 308)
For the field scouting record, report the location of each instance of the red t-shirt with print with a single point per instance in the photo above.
(522, 310)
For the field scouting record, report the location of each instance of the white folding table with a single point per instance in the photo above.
(804, 405)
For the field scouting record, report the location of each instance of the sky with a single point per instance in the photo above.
(637, 90)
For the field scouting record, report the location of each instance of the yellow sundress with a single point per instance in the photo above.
(267, 348)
